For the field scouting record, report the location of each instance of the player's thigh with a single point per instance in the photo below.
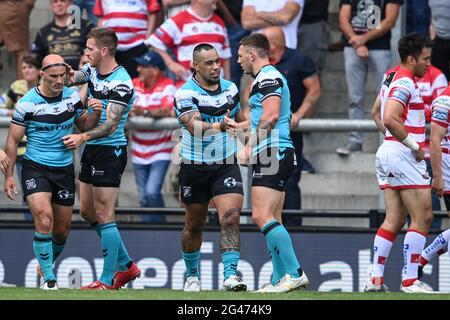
(265, 202)
(104, 202)
(40, 206)
(417, 203)
(395, 210)
(62, 218)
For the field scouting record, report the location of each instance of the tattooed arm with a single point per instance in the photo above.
(114, 113)
(75, 78)
(193, 122)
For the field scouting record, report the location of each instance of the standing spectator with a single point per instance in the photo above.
(440, 33)
(230, 11)
(304, 87)
(151, 149)
(418, 17)
(313, 32)
(60, 37)
(4, 161)
(133, 22)
(184, 31)
(368, 48)
(259, 14)
(88, 6)
(15, 30)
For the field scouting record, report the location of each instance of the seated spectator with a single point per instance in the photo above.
(59, 36)
(151, 149)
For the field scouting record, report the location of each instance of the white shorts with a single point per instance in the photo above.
(397, 168)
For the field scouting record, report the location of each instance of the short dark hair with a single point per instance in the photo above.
(200, 47)
(32, 60)
(257, 41)
(412, 44)
(104, 37)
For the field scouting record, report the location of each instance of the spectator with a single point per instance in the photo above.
(418, 17)
(151, 149)
(440, 33)
(15, 30)
(313, 32)
(368, 48)
(230, 12)
(173, 7)
(304, 86)
(184, 31)
(88, 6)
(60, 37)
(132, 25)
(259, 14)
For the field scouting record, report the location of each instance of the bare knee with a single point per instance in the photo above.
(230, 219)
(43, 221)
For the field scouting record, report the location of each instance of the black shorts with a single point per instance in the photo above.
(273, 168)
(102, 166)
(201, 182)
(59, 181)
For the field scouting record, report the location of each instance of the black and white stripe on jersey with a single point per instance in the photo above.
(267, 88)
(219, 110)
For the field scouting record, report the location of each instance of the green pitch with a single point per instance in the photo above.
(165, 294)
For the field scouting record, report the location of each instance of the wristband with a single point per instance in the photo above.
(411, 143)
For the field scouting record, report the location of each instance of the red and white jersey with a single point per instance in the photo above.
(148, 146)
(400, 85)
(185, 30)
(431, 85)
(440, 114)
(128, 19)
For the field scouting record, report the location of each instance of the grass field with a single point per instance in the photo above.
(166, 294)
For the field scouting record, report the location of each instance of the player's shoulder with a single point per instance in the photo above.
(228, 85)
(404, 78)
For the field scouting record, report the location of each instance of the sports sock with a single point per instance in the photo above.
(230, 261)
(110, 248)
(412, 247)
(436, 248)
(58, 248)
(123, 259)
(382, 245)
(192, 263)
(42, 247)
(277, 265)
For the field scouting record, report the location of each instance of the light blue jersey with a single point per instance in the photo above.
(114, 87)
(47, 120)
(213, 107)
(270, 82)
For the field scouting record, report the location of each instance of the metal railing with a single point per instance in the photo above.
(305, 125)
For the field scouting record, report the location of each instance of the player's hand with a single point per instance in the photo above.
(10, 188)
(419, 154)
(243, 156)
(95, 104)
(4, 162)
(437, 186)
(73, 141)
(70, 74)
